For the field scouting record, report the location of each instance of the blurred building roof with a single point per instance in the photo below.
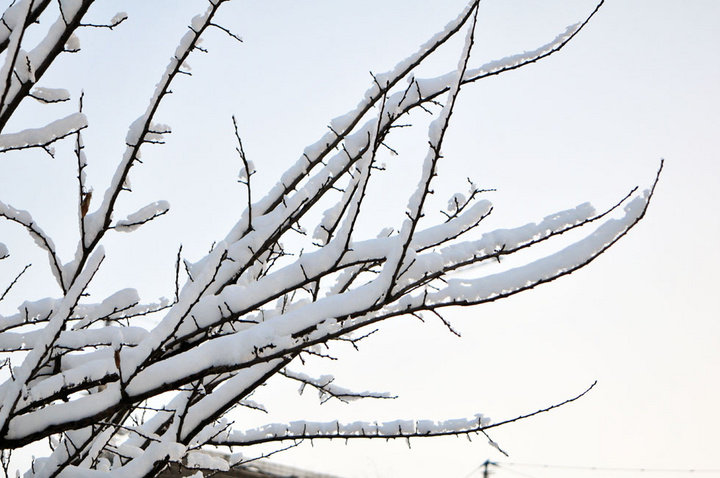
(256, 469)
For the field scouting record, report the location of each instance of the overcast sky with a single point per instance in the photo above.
(640, 83)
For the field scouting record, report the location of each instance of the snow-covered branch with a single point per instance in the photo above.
(131, 386)
(144, 215)
(22, 71)
(41, 239)
(327, 389)
(143, 130)
(45, 136)
(404, 429)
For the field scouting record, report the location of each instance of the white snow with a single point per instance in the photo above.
(389, 429)
(248, 322)
(41, 239)
(50, 95)
(45, 135)
(17, 18)
(205, 461)
(142, 216)
(72, 43)
(119, 17)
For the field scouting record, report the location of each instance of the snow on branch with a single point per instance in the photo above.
(74, 340)
(22, 70)
(11, 19)
(436, 135)
(45, 136)
(342, 126)
(50, 95)
(144, 215)
(15, 53)
(334, 316)
(38, 356)
(116, 20)
(141, 131)
(405, 429)
(387, 430)
(327, 389)
(130, 387)
(518, 61)
(41, 239)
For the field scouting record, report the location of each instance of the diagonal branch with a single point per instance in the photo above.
(140, 132)
(43, 348)
(37, 8)
(41, 239)
(44, 55)
(436, 135)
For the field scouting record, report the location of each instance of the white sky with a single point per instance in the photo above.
(639, 83)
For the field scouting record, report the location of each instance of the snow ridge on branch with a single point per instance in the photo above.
(119, 397)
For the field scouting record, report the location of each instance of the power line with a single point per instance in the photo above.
(610, 468)
(515, 472)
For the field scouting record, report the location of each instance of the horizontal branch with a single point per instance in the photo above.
(405, 429)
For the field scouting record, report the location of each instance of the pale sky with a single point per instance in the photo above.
(640, 83)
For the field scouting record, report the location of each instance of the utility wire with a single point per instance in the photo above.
(610, 469)
(515, 472)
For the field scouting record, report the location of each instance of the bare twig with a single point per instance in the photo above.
(17, 277)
